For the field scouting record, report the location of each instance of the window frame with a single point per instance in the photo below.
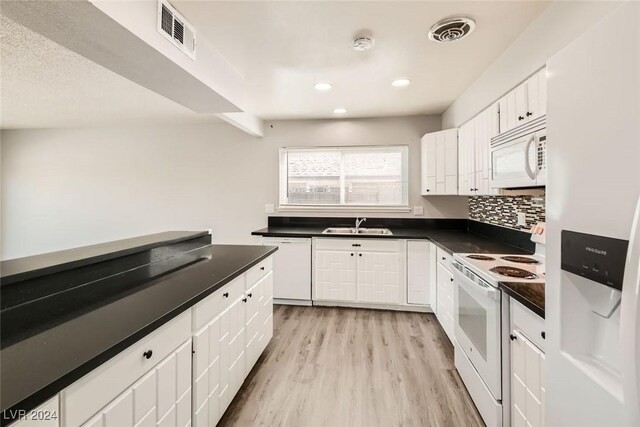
(283, 181)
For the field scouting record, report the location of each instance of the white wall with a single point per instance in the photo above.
(70, 187)
(556, 27)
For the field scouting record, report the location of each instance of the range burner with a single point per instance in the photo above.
(520, 259)
(513, 272)
(481, 257)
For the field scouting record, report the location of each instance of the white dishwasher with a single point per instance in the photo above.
(291, 270)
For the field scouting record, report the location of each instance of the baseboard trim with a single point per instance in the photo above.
(292, 302)
(410, 308)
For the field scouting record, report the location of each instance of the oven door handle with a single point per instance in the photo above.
(486, 291)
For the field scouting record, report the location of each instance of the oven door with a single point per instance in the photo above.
(514, 163)
(477, 329)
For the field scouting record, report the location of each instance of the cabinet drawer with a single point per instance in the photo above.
(211, 306)
(444, 257)
(358, 245)
(530, 324)
(258, 271)
(87, 396)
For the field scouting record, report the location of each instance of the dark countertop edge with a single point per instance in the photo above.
(66, 380)
(55, 268)
(522, 299)
(421, 235)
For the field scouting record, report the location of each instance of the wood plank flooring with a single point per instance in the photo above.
(353, 367)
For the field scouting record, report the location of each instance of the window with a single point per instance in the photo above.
(344, 177)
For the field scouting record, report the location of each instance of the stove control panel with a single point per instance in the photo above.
(596, 258)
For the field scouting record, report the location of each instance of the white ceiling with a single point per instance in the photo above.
(46, 85)
(283, 47)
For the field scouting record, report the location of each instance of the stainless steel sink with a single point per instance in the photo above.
(352, 230)
(381, 231)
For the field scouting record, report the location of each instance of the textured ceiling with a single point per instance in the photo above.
(45, 85)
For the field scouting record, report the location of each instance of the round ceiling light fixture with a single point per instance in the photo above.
(362, 43)
(323, 86)
(339, 110)
(401, 83)
(451, 29)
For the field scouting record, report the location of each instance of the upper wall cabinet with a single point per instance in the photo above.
(474, 153)
(526, 102)
(439, 163)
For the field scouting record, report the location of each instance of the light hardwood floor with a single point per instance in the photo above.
(353, 367)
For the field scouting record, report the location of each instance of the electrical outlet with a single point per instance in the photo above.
(522, 218)
(269, 208)
(418, 210)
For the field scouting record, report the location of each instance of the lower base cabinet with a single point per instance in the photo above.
(445, 294)
(185, 373)
(528, 391)
(226, 349)
(160, 398)
(362, 271)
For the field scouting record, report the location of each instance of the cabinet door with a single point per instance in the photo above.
(522, 103)
(451, 161)
(527, 387)
(537, 95)
(237, 331)
(445, 304)
(160, 398)
(419, 272)
(206, 374)
(441, 158)
(379, 278)
(428, 164)
(335, 275)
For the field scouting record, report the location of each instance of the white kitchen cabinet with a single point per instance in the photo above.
(360, 271)
(528, 391)
(527, 382)
(335, 275)
(164, 354)
(160, 398)
(439, 163)
(227, 347)
(291, 269)
(474, 168)
(526, 102)
(421, 273)
(445, 293)
(379, 278)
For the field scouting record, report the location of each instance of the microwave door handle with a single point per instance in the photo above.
(527, 166)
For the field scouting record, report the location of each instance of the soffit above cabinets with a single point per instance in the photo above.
(45, 85)
(283, 48)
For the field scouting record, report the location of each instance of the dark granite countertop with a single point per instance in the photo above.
(531, 295)
(452, 241)
(19, 269)
(53, 341)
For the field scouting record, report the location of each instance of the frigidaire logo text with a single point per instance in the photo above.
(596, 251)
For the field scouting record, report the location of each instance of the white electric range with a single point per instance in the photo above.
(481, 312)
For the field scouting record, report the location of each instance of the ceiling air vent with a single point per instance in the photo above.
(451, 29)
(176, 29)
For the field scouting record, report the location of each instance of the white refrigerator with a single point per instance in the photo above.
(593, 188)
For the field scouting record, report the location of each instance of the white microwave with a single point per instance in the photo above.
(519, 156)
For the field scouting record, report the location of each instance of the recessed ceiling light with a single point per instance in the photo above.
(323, 86)
(339, 110)
(401, 82)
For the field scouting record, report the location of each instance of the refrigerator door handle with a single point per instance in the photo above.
(630, 324)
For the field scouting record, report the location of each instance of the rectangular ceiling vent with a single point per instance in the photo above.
(176, 29)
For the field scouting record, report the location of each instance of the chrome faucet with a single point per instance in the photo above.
(358, 222)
